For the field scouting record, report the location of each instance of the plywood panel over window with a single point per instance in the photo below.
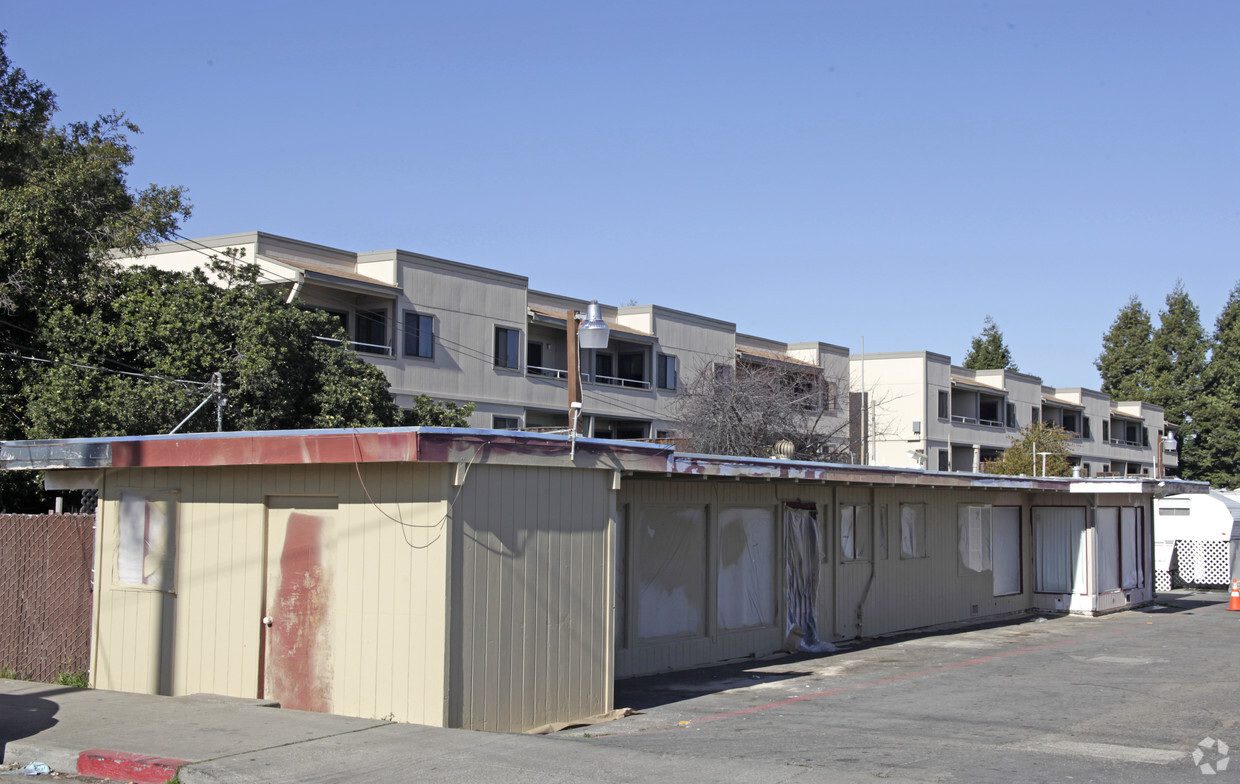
(1005, 548)
(671, 568)
(746, 582)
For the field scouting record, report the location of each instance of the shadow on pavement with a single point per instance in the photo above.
(651, 691)
(24, 715)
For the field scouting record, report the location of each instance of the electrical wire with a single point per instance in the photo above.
(83, 366)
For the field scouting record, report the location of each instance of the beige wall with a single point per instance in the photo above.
(531, 629)
(385, 633)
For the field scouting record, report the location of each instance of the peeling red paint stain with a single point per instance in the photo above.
(298, 667)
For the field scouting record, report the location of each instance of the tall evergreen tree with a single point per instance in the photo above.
(988, 351)
(1124, 363)
(1215, 427)
(1178, 357)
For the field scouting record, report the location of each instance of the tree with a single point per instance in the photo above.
(988, 351)
(1018, 458)
(1125, 361)
(1178, 356)
(745, 410)
(1213, 432)
(278, 372)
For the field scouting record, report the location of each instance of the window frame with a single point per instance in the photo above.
(919, 536)
(417, 334)
(667, 371)
(511, 348)
(861, 545)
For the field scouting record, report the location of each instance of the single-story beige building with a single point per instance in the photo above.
(498, 580)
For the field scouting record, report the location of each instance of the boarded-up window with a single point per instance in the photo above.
(855, 532)
(1057, 536)
(974, 539)
(146, 549)
(1005, 548)
(1106, 531)
(1130, 532)
(912, 530)
(746, 568)
(671, 570)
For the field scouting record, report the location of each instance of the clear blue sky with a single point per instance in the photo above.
(808, 170)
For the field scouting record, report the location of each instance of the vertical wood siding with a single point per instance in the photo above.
(531, 597)
(388, 601)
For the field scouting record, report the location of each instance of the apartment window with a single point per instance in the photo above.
(1036, 415)
(913, 530)
(1011, 415)
(1085, 422)
(1106, 431)
(371, 332)
(945, 404)
(1145, 436)
(665, 371)
(419, 335)
(1069, 422)
(944, 460)
(507, 348)
(604, 368)
(505, 423)
(633, 366)
(855, 532)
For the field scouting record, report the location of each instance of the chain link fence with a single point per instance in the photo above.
(45, 594)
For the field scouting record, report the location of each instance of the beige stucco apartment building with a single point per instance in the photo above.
(468, 334)
(924, 411)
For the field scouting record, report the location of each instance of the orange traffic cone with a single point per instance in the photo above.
(1235, 595)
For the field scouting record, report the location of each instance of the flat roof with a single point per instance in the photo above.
(468, 445)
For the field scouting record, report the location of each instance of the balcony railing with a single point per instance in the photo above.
(366, 348)
(964, 420)
(621, 382)
(535, 370)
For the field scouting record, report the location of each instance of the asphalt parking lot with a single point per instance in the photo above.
(1128, 697)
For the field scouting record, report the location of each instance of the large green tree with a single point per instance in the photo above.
(1124, 363)
(1177, 356)
(89, 349)
(988, 351)
(1214, 427)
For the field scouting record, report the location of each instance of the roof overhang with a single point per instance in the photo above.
(973, 386)
(468, 446)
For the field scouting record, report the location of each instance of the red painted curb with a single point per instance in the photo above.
(123, 766)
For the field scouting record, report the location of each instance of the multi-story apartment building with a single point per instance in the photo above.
(920, 409)
(469, 334)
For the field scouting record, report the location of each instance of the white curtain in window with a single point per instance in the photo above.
(1130, 561)
(1106, 531)
(974, 540)
(1057, 534)
(848, 532)
(146, 554)
(802, 553)
(855, 532)
(1005, 548)
(912, 530)
(746, 582)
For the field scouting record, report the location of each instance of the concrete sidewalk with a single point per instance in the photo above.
(136, 737)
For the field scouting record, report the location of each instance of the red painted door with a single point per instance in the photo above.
(297, 616)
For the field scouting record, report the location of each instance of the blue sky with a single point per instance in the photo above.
(808, 170)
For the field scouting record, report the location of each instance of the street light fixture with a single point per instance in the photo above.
(1168, 444)
(592, 333)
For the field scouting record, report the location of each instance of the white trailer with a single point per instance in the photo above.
(1196, 538)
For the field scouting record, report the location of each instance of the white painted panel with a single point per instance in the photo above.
(746, 583)
(671, 565)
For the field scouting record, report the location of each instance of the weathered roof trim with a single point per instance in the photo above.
(465, 445)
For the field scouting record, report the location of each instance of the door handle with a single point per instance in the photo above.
(268, 620)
